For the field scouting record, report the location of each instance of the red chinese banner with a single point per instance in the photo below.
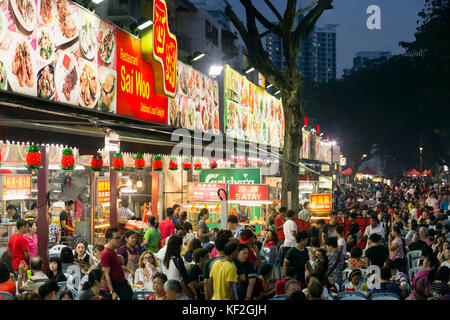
(136, 94)
(320, 202)
(204, 191)
(165, 46)
(249, 192)
(16, 187)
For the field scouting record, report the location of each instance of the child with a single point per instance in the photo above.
(355, 281)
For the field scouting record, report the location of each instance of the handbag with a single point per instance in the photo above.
(187, 290)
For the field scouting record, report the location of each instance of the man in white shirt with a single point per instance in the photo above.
(289, 230)
(304, 214)
(374, 227)
(432, 201)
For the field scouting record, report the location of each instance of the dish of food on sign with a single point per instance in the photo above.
(26, 13)
(67, 80)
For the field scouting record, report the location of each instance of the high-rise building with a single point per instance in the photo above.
(317, 59)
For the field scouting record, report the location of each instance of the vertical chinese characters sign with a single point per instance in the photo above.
(165, 47)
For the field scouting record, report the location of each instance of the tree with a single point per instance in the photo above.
(431, 53)
(289, 80)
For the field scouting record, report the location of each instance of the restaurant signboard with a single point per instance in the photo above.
(231, 176)
(204, 191)
(248, 192)
(16, 187)
(320, 203)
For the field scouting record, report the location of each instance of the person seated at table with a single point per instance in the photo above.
(159, 280)
(92, 289)
(355, 283)
(355, 261)
(270, 239)
(55, 270)
(80, 255)
(385, 284)
(48, 290)
(148, 267)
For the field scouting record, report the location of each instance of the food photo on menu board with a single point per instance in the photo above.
(196, 103)
(251, 113)
(56, 50)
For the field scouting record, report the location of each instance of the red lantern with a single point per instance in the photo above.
(139, 162)
(34, 158)
(157, 164)
(97, 163)
(117, 162)
(197, 164)
(173, 164)
(187, 164)
(67, 160)
(213, 164)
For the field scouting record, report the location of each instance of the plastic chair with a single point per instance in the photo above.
(346, 272)
(90, 250)
(413, 254)
(141, 295)
(55, 251)
(352, 295)
(6, 296)
(413, 271)
(385, 296)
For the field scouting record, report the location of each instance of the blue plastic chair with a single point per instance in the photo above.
(413, 271)
(6, 296)
(351, 294)
(141, 295)
(385, 296)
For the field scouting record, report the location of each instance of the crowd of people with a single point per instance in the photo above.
(379, 239)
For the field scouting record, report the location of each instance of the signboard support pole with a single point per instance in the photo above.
(113, 222)
(42, 220)
(155, 194)
(94, 193)
(224, 215)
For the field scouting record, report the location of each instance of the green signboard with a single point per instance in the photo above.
(231, 176)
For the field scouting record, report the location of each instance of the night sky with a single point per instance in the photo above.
(398, 23)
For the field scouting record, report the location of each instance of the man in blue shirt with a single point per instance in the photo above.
(444, 203)
(235, 227)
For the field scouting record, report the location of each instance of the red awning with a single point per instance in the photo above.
(369, 171)
(347, 172)
(412, 172)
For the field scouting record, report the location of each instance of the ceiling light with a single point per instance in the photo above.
(250, 70)
(198, 56)
(97, 1)
(215, 71)
(144, 24)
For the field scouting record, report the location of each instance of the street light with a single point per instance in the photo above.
(421, 153)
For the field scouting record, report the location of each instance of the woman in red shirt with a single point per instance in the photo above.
(158, 286)
(271, 239)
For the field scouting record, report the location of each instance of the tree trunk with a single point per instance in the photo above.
(291, 151)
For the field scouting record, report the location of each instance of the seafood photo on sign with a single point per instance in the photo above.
(25, 12)
(88, 84)
(108, 83)
(46, 82)
(106, 43)
(22, 77)
(68, 22)
(88, 35)
(46, 11)
(67, 78)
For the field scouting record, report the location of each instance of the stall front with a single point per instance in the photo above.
(320, 206)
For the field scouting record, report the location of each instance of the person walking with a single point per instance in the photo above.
(115, 276)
